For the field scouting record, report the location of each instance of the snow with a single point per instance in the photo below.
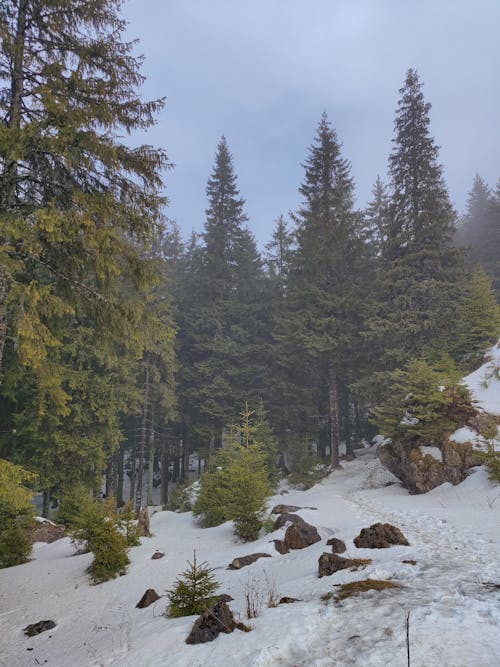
(464, 434)
(435, 452)
(484, 383)
(454, 533)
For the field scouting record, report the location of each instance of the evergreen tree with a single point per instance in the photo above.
(79, 213)
(220, 321)
(478, 320)
(479, 231)
(324, 301)
(193, 591)
(421, 271)
(376, 218)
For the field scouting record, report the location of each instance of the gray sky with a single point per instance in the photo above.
(263, 71)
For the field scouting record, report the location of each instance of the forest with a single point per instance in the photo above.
(130, 353)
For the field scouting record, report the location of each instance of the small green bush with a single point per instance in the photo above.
(15, 545)
(98, 525)
(492, 462)
(194, 590)
(128, 525)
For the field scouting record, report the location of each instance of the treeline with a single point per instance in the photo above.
(125, 347)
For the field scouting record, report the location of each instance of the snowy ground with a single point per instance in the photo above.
(454, 534)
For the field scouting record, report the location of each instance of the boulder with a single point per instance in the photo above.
(380, 536)
(37, 628)
(287, 600)
(157, 555)
(281, 547)
(243, 561)
(216, 619)
(330, 563)
(224, 597)
(283, 519)
(420, 471)
(338, 546)
(285, 509)
(148, 598)
(301, 535)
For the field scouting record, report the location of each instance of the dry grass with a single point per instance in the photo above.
(346, 590)
(356, 563)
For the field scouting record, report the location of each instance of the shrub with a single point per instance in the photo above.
(15, 514)
(15, 545)
(306, 469)
(492, 462)
(128, 525)
(423, 401)
(98, 525)
(238, 486)
(194, 590)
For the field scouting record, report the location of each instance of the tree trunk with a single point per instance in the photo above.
(142, 444)
(120, 464)
(164, 472)
(8, 183)
(133, 456)
(45, 504)
(151, 451)
(334, 417)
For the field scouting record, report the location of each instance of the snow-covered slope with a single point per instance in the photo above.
(485, 382)
(454, 618)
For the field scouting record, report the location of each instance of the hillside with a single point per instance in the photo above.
(454, 615)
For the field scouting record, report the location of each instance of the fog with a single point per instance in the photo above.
(263, 72)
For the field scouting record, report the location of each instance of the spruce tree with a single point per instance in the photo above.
(220, 323)
(77, 205)
(324, 300)
(193, 591)
(421, 270)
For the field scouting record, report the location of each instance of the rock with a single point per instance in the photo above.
(46, 531)
(281, 547)
(301, 535)
(283, 519)
(287, 600)
(338, 546)
(37, 628)
(285, 509)
(420, 472)
(224, 597)
(157, 555)
(243, 561)
(330, 563)
(148, 598)
(380, 536)
(216, 619)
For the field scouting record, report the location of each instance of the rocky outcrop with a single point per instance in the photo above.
(37, 628)
(420, 472)
(301, 535)
(243, 561)
(157, 555)
(216, 619)
(380, 536)
(330, 563)
(338, 546)
(148, 598)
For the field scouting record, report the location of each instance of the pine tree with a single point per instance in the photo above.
(418, 286)
(376, 217)
(193, 591)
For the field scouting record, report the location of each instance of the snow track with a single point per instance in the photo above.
(454, 535)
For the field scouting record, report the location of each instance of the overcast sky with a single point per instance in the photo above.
(261, 72)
